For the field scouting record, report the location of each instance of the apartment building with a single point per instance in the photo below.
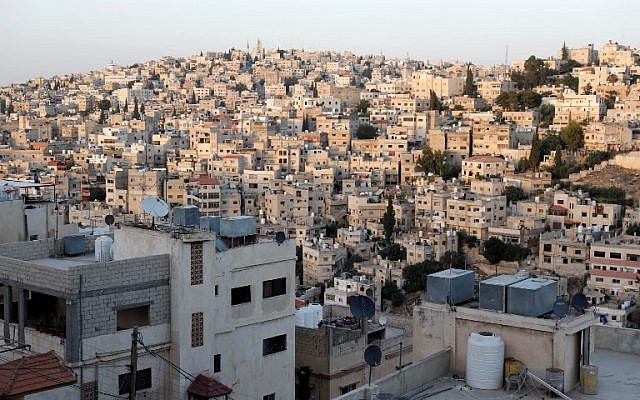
(140, 185)
(580, 209)
(454, 142)
(474, 215)
(483, 167)
(612, 137)
(578, 107)
(490, 89)
(423, 82)
(321, 259)
(343, 288)
(614, 266)
(565, 255)
(616, 54)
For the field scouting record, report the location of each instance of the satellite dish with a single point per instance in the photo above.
(373, 355)
(362, 307)
(560, 308)
(155, 207)
(579, 302)
(383, 320)
(369, 292)
(109, 220)
(280, 237)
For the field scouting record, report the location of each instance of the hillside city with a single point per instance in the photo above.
(290, 224)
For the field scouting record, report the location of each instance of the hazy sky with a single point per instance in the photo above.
(46, 37)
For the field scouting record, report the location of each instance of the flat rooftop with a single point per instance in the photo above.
(618, 378)
(65, 262)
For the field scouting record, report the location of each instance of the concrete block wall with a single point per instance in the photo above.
(26, 251)
(42, 279)
(132, 271)
(623, 340)
(100, 312)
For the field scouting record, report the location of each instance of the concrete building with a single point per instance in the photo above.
(217, 306)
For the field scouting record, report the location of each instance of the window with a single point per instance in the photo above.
(196, 263)
(615, 255)
(215, 290)
(598, 279)
(274, 287)
(217, 362)
(197, 328)
(143, 381)
(547, 247)
(598, 254)
(271, 396)
(615, 280)
(274, 344)
(129, 317)
(348, 388)
(240, 295)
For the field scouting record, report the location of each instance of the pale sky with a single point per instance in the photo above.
(47, 37)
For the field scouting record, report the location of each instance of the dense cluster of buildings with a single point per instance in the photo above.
(318, 146)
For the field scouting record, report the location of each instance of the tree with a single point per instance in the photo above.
(547, 113)
(571, 82)
(136, 111)
(564, 52)
(434, 101)
(415, 275)
(535, 73)
(126, 105)
(514, 194)
(142, 110)
(529, 99)
(393, 252)
(470, 89)
(102, 118)
(634, 229)
(587, 89)
(389, 221)
(363, 106)
(117, 108)
(305, 123)
(509, 101)
(391, 291)
(613, 78)
(572, 136)
(193, 98)
(366, 131)
(434, 162)
(493, 250)
(536, 151)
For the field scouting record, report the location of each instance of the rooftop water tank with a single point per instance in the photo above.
(453, 284)
(103, 249)
(532, 297)
(485, 360)
(493, 291)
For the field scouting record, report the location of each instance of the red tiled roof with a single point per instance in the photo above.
(34, 374)
(207, 180)
(485, 159)
(613, 261)
(206, 387)
(614, 274)
(557, 207)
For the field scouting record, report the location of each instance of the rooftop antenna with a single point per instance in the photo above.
(373, 357)
(506, 55)
(155, 207)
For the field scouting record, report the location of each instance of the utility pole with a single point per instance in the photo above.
(134, 364)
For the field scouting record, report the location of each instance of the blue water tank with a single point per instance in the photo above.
(454, 284)
(186, 216)
(74, 245)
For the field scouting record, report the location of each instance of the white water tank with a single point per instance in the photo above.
(103, 249)
(485, 360)
(316, 314)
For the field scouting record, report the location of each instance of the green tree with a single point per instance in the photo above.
(142, 110)
(102, 118)
(305, 123)
(391, 291)
(547, 113)
(117, 108)
(434, 161)
(529, 99)
(564, 52)
(493, 250)
(572, 136)
(366, 131)
(514, 194)
(392, 252)
(434, 101)
(633, 229)
(613, 78)
(470, 89)
(571, 82)
(509, 101)
(363, 106)
(535, 73)
(389, 221)
(587, 89)
(536, 151)
(415, 275)
(136, 111)
(126, 105)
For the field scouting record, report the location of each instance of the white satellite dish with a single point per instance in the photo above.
(155, 207)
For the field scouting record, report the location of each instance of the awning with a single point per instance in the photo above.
(207, 387)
